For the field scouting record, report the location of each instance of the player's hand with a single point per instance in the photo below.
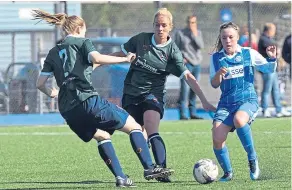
(222, 71)
(130, 57)
(54, 93)
(208, 107)
(272, 51)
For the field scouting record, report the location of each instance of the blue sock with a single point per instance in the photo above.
(158, 149)
(107, 153)
(245, 136)
(222, 156)
(140, 147)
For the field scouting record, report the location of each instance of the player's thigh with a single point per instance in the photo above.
(136, 111)
(153, 112)
(80, 123)
(246, 113)
(131, 125)
(225, 116)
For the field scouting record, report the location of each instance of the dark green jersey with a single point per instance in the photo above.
(153, 63)
(68, 62)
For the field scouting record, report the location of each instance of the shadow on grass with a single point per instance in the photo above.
(78, 183)
(59, 182)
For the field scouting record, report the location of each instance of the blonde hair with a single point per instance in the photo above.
(67, 23)
(165, 12)
(218, 44)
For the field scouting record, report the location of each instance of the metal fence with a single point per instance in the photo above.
(124, 19)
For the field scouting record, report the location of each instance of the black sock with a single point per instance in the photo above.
(140, 147)
(107, 153)
(158, 149)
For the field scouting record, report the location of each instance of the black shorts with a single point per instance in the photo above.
(136, 106)
(95, 113)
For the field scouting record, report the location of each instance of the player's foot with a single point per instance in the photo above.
(157, 171)
(254, 169)
(226, 177)
(124, 182)
(164, 179)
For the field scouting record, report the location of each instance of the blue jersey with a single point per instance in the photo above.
(237, 87)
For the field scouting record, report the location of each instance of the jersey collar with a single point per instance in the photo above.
(160, 45)
(238, 50)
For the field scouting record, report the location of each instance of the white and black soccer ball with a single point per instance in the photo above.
(205, 171)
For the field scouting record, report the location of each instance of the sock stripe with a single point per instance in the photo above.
(136, 131)
(153, 137)
(103, 141)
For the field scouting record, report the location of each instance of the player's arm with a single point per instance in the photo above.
(118, 54)
(265, 65)
(41, 85)
(216, 77)
(177, 68)
(101, 59)
(193, 83)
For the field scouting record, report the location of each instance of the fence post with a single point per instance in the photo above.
(250, 21)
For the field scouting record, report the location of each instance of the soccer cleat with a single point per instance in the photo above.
(124, 182)
(164, 179)
(226, 177)
(157, 171)
(254, 169)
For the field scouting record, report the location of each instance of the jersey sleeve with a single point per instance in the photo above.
(176, 65)
(130, 46)
(87, 48)
(48, 68)
(264, 65)
(212, 71)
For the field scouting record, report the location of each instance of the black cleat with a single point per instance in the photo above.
(124, 182)
(156, 172)
(226, 177)
(164, 179)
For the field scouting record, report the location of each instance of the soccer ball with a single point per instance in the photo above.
(205, 171)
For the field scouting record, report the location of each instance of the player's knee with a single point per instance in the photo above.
(239, 121)
(101, 135)
(131, 125)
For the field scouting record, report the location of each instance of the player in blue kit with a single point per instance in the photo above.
(232, 69)
(157, 56)
(88, 115)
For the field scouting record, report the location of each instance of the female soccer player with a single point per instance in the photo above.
(86, 113)
(232, 68)
(157, 56)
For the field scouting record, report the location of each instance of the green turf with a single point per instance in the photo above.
(54, 158)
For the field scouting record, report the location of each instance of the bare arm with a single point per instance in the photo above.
(193, 83)
(118, 54)
(101, 59)
(217, 79)
(41, 85)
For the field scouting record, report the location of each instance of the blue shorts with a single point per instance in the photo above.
(225, 114)
(95, 113)
(136, 106)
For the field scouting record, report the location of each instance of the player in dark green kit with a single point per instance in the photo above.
(88, 115)
(157, 56)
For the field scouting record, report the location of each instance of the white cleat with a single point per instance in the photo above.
(254, 169)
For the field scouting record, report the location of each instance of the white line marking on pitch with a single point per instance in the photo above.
(119, 133)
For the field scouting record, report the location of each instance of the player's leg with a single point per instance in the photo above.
(219, 135)
(107, 153)
(242, 118)
(83, 122)
(140, 147)
(220, 130)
